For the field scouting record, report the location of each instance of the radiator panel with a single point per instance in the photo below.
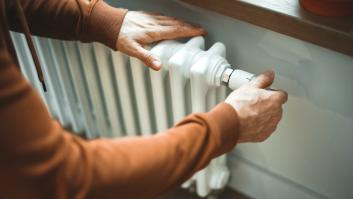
(102, 93)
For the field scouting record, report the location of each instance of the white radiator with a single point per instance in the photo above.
(102, 93)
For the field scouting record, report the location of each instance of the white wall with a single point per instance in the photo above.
(311, 153)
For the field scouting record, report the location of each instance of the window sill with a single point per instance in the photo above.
(287, 17)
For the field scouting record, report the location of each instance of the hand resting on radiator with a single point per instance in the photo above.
(259, 110)
(141, 28)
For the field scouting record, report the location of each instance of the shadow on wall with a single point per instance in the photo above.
(320, 85)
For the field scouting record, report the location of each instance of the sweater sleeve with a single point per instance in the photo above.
(39, 159)
(84, 20)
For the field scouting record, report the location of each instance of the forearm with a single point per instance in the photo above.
(82, 20)
(147, 166)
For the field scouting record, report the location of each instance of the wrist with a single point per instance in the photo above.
(226, 119)
(104, 24)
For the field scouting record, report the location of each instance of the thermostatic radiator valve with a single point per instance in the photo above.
(235, 78)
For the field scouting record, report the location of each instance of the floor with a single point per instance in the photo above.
(185, 194)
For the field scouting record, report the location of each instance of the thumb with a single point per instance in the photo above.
(264, 80)
(146, 57)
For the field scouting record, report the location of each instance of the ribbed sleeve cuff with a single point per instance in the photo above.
(226, 120)
(104, 24)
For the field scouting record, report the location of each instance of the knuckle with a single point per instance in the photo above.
(136, 52)
(148, 57)
(268, 94)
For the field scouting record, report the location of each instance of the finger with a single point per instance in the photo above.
(173, 20)
(264, 80)
(174, 32)
(161, 17)
(168, 23)
(279, 96)
(145, 56)
(282, 96)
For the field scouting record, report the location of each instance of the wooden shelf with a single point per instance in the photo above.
(287, 17)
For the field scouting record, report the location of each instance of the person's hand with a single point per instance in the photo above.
(141, 28)
(259, 110)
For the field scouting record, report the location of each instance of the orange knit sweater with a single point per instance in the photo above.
(39, 159)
